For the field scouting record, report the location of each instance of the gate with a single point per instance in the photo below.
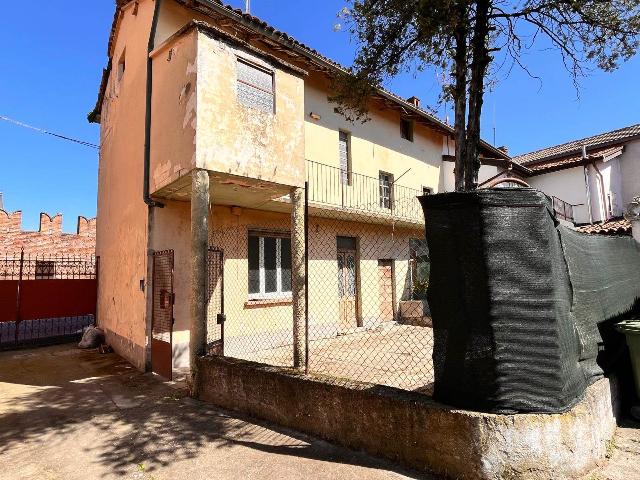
(162, 314)
(215, 302)
(46, 299)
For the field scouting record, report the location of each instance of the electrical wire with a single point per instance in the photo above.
(57, 135)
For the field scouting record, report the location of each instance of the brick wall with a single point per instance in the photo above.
(49, 239)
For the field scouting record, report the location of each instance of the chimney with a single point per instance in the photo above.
(415, 101)
(50, 226)
(247, 6)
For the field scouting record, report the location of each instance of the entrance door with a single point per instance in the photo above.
(386, 290)
(347, 283)
(162, 314)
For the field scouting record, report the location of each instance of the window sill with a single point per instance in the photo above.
(268, 302)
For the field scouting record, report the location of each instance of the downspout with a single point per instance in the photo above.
(147, 119)
(602, 194)
(586, 182)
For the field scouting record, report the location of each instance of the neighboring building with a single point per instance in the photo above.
(49, 239)
(247, 105)
(592, 180)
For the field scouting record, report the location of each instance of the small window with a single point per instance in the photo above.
(45, 269)
(255, 87)
(406, 129)
(344, 150)
(269, 265)
(121, 66)
(386, 194)
(427, 190)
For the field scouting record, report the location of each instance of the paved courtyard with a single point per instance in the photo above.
(68, 414)
(391, 354)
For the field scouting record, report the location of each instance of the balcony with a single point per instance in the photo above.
(332, 188)
(563, 210)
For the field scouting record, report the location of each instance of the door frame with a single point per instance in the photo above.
(159, 347)
(358, 303)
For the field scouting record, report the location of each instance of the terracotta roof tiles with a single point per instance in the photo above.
(611, 227)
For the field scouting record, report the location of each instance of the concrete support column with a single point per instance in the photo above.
(199, 247)
(298, 276)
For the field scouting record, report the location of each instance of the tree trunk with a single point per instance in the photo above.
(479, 63)
(460, 95)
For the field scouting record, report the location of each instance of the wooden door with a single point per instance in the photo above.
(386, 290)
(162, 314)
(347, 289)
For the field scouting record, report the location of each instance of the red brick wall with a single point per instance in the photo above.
(49, 239)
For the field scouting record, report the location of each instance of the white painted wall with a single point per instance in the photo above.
(630, 172)
(448, 181)
(567, 185)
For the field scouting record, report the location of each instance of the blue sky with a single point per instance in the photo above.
(51, 66)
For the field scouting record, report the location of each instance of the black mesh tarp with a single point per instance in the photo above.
(517, 300)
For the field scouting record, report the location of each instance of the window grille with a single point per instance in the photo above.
(255, 87)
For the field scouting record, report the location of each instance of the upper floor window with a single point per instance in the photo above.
(406, 129)
(427, 190)
(344, 150)
(255, 86)
(386, 185)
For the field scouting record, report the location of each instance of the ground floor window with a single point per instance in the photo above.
(269, 265)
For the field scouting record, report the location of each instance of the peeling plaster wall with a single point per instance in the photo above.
(173, 135)
(240, 140)
(122, 215)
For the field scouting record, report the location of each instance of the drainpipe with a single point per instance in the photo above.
(602, 194)
(586, 182)
(147, 119)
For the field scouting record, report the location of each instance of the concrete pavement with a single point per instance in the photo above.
(71, 414)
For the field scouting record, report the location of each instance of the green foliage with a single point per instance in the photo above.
(474, 41)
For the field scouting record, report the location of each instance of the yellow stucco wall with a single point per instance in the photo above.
(173, 137)
(240, 140)
(121, 239)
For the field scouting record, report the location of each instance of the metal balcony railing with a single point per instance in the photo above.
(564, 210)
(333, 186)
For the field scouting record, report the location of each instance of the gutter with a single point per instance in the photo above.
(605, 213)
(147, 119)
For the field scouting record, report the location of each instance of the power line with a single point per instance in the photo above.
(57, 135)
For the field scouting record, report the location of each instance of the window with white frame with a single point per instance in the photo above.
(269, 256)
(255, 86)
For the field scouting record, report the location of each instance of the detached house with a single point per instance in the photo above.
(212, 122)
(592, 180)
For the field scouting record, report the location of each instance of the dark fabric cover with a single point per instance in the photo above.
(517, 300)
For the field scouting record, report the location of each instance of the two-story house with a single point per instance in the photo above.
(212, 122)
(592, 180)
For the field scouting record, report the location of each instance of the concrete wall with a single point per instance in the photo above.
(415, 431)
(122, 214)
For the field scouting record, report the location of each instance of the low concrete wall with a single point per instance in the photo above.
(412, 429)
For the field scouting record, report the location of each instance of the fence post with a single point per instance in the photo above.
(298, 274)
(306, 277)
(18, 295)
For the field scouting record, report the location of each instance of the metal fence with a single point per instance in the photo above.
(563, 210)
(45, 298)
(366, 322)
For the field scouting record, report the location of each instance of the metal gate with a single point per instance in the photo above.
(215, 302)
(162, 314)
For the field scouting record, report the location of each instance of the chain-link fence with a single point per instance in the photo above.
(367, 318)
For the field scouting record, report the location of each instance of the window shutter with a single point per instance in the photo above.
(255, 87)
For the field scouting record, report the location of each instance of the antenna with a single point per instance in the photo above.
(247, 6)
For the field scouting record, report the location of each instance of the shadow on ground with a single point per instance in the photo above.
(126, 421)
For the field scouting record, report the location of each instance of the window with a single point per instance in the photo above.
(121, 66)
(45, 269)
(406, 129)
(344, 149)
(386, 182)
(255, 86)
(427, 190)
(269, 265)
(420, 268)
